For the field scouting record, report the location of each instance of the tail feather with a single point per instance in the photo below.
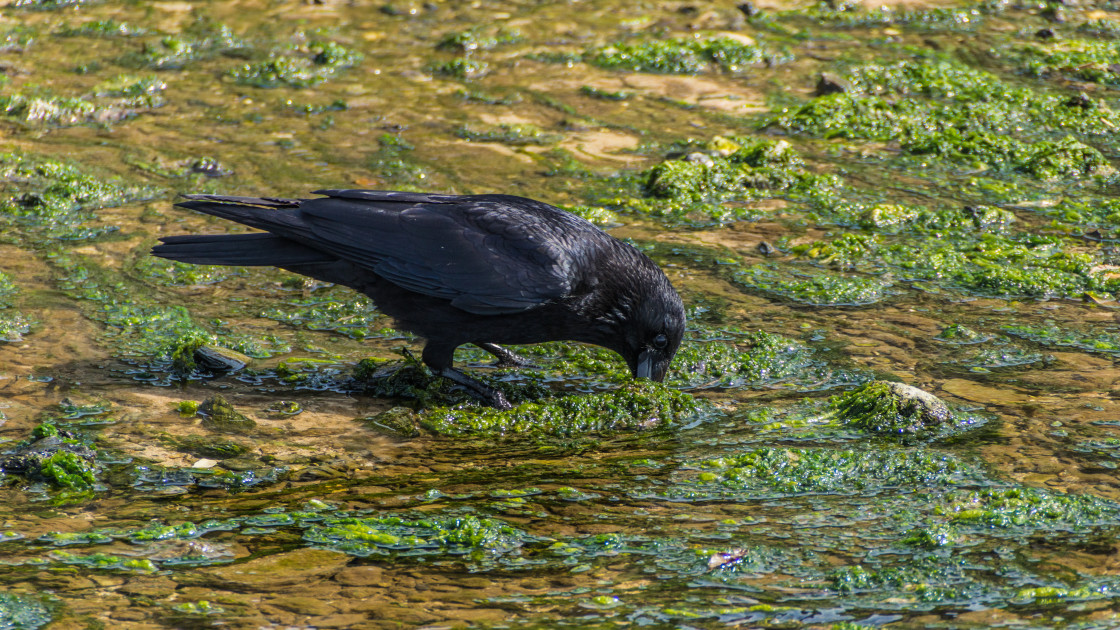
(259, 249)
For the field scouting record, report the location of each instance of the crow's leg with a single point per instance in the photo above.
(439, 359)
(506, 358)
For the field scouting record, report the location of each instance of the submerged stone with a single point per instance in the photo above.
(219, 415)
(55, 457)
(893, 408)
(396, 422)
(219, 359)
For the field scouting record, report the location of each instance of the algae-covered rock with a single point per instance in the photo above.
(396, 422)
(893, 408)
(219, 415)
(55, 457)
(634, 406)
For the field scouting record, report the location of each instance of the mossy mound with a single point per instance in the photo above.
(634, 406)
(893, 409)
(219, 415)
(55, 457)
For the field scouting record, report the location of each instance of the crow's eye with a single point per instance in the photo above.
(660, 341)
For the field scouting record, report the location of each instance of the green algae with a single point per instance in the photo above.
(508, 134)
(219, 415)
(461, 68)
(322, 60)
(1087, 60)
(100, 28)
(709, 183)
(791, 471)
(48, 199)
(478, 38)
(640, 405)
(1025, 508)
(606, 95)
(1053, 336)
(13, 324)
(68, 470)
(105, 562)
(813, 287)
(899, 410)
(991, 264)
(469, 535)
(345, 313)
(685, 55)
(203, 39)
(24, 611)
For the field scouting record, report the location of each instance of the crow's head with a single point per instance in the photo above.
(653, 329)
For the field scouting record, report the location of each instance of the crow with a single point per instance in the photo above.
(480, 269)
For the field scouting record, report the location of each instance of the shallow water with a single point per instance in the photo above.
(985, 276)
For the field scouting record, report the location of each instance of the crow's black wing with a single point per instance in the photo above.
(487, 254)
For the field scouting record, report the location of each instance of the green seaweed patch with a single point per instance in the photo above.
(478, 38)
(813, 287)
(686, 55)
(109, 102)
(159, 479)
(348, 314)
(53, 456)
(65, 469)
(989, 264)
(468, 537)
(606, 95)
(1067, 158)
(961, 334)
(219, 415)
(13, 326)
(635, 406)
(48, 199)
(105, 562)
(24, 612)
(917, 577)
(757, 359)
(890, 118)
(1003, 510)
(461, 68)
(320, 61)
(172, 273)
(100, 28)
(712, 182)
(1084, 59)
(1053, 336)
(520, 134)
(781, 471)
(202, 39)
(897, 409)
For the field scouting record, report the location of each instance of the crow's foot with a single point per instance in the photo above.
(506, 358)
(483, 392)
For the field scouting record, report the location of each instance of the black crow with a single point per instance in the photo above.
(481, 269)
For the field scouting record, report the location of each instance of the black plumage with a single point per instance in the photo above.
(481, 269)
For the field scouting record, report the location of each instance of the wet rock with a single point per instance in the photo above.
(893, 408)
(697, 157)
(219, 359)
(1044, 33)
(219, 415)
(1080, 100)
(829, 83)
(265, 574)
(55, 457)
(396, 422)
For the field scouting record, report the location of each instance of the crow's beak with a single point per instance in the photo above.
(645, 365)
